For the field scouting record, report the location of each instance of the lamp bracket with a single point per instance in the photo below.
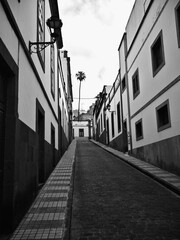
(39, 46)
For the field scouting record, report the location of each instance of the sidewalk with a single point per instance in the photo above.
(47, 216)
(46, 219)
(168, 179)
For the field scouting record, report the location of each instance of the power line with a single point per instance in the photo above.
(84, 98)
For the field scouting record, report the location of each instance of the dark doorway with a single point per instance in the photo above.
(3, 93)
(40, 131)
(81, 132)
(125, 136)
(53, 145)
(8, 140)
(107, 123)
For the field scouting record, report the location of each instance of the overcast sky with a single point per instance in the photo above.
(92, 31)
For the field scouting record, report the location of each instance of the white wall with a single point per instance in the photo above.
(25, 14)
(63, 94)
(115, 100)
(81, 125)
(140, 57)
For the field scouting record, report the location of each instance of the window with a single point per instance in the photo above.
(112, 123)
(139, 130)
(135, 84)
(163, 116)
(41, 29)
(177, 14)
(118, 117)
(157, 54)
(52, 64)
(123, 84)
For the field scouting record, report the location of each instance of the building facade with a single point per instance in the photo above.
(30, 111)
(149, 74)
(65, 101)
(82, 129)
(153, 82)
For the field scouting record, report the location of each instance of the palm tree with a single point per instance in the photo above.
(80, 76)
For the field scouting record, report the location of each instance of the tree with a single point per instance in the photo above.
(80, 76)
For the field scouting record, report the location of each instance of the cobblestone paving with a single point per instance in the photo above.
(112, 200)
(170, 180)
(46, 217)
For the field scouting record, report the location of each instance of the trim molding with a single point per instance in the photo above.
(16, 29)
(146, 36)
(165, 89)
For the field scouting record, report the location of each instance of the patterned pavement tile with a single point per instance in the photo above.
(47, 215)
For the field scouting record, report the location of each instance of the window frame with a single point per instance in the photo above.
(123, 80)
(177, 23)
(41, 54)
(134, 78)
(136, 123)
(52, 70)
(156, 70)
(168, 125)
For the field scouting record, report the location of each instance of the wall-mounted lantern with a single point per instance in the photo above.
(109, 108)
(54, 24)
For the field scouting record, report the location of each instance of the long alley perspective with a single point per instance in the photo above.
(89, 119)
(95, 194)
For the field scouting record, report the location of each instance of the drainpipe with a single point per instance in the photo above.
(128, 98)
(104, 113)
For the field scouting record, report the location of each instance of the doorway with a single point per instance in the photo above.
(8, 135)
(107, 125)
(125, 138)
(3, 93)
(53, 145)
(81, 132)
(40, 131)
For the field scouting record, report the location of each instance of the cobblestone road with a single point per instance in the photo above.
(111, 200)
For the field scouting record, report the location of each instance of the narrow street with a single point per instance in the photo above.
(112, 200)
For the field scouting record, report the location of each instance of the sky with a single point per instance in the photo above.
(92, 31)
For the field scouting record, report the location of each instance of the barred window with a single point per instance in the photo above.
(135, 84)
(163, 116)
(41, 29)
(52, 71)
(139, 130)
(157, 53)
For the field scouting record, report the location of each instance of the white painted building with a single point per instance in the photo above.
(100, 132)
(82, 129)
(153, 82)
(149, 86)
(65, 100)
(30, 110)
(108, 124)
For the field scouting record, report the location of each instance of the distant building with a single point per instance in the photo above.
(142, 108)
(82, 128)
(35, 104)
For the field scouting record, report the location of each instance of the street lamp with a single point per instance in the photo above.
(109, 108)
(54, 24)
